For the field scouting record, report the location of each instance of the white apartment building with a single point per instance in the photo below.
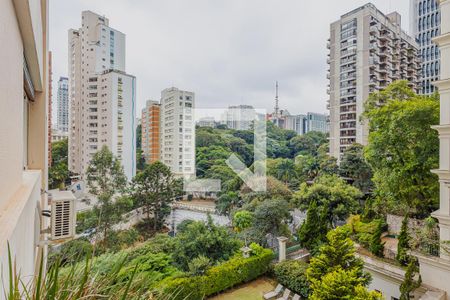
(295, 123)
(206, 122)
(177, 131)
(239, 117)
(102, 96)
(24, 77)
(368, 51)
(425, 25)
(62, 111)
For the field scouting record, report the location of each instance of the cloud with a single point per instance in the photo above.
(226, 51)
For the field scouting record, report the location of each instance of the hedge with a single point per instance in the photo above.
(219, 278)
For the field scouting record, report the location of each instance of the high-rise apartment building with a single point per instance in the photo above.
(150, 123)
(49, 112)
(239, 117)
(24, 100)
(316, 122)
(368, 51)
(295, 123)
(62, 116)
(102, 96)
(177, 136)
(425, 25)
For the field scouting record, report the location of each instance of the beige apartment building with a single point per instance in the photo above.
(24, 116)
(368, 51)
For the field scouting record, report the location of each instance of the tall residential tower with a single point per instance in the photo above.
(62, 111)
(102, 95)
(425, 25)
(177, 131)
(150, 131)
(368, 51)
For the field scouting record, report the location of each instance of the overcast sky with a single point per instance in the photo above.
(226, 51)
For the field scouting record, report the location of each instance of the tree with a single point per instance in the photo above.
(337, 254)
(354, 165)
(227, 202)
(271, 217)
(403, 243)
(58, 172)
(286, 171)
(312, 232)
(105, 178)
(332, 193)
(342, 284)
(308, 143)
(155, 188)
(207, 239)
(242, 220)
(402, 149)
(140, 160)
(409, 284)
(291, 274)
(376, 246)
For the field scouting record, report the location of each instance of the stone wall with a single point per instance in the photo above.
(395, 223)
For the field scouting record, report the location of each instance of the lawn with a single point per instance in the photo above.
(253, 290)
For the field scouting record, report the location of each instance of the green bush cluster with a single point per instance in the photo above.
(221, 277)
(292, 274)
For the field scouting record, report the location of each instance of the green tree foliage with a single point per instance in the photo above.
(271, 217)
(403, 243)
(291, 274)
(312, 232)
(331, 193)
(337, 254)
(307, 144)
(242, 220)
(58, 173)
(227, 202)
(207, 239)
(376, 246)
(105, 178)
(402, 149)
(220, 277)
(354, 165)
(342, 284)
(409, 284)
(199, 265)
(155, 189)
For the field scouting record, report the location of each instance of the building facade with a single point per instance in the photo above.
(368, 51)
(425, 25)
(296, 123)
(316, 122)
(24, 77)
(150, 122)
(49, 113)
(239, 117)
(102, 97)
(62, 116)
(177, 136)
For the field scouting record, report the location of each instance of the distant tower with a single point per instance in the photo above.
(277, 108)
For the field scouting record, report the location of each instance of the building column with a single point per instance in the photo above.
(281, 248)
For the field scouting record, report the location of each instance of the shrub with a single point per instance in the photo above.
(218, 278)
(291, 274)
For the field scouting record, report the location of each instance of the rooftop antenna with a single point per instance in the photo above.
(277, 109)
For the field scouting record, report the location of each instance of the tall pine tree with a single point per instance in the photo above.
(403, 243)
(313, 231)
(376, 246)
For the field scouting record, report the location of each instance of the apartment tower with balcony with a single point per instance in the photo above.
(368, 51)
(102, 96)
(62, 111)
(177, 131)
(425, 25)
(150, 131)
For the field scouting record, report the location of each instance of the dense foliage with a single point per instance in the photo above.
(221, 277)
(312, 232)
(292, 275)
(354, 166)
(58, 172)
(402, 149)
(403, 243)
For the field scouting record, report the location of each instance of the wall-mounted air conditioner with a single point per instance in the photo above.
(63, 216)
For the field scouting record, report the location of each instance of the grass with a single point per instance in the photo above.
(253, 290)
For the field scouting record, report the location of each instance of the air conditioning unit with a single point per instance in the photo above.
(63, 216)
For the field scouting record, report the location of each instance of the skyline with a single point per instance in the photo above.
(248, 74)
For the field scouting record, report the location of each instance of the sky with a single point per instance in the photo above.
(228, 52)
